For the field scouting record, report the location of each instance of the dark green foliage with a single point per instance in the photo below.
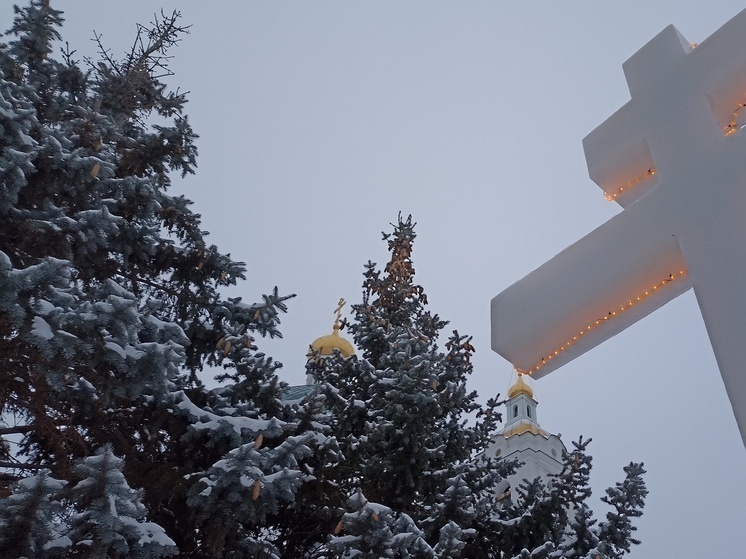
(373, 530)
(627, 499)
(29, 518)
(399, 412)
(109, 291)
(574, 490)
(108, 518)
(556, 522)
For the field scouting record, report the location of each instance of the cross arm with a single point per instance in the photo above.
(594, 289)
(618, 157)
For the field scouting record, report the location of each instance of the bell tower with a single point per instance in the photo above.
(524, 439)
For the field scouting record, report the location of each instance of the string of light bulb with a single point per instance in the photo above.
(729, 129)
(613, 313)
(611, 197)
(733, 126)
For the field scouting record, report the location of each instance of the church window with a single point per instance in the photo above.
(528, 410)
(515, 411)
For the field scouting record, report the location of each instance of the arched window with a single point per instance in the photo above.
(515, 410)
(528, 410)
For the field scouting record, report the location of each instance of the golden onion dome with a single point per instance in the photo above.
(326, 345)
(520, 387)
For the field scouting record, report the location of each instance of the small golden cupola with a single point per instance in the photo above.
(520, 387)
(521, 410)
(326, 345)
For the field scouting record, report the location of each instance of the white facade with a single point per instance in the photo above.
(524, 439)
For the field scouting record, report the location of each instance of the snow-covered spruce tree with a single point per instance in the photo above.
(627, 499)
(375, 531)
(398, 412)
(109, 517)
(267, 501)
(531, 519)
(30, 518)
(109, 294)
(583, 535)
(573, 490)
(556, 522)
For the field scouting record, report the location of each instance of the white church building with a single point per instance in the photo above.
(525, 440)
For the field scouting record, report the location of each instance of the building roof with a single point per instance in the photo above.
(299, 392)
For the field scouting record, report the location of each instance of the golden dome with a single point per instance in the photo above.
(520, 387)
(325, 345)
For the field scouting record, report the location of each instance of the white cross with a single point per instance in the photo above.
(674, 157)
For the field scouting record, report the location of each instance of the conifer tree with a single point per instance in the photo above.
(109, 518)
(556, 521)
(376, 531)
(573, 487)
(30, 518)
(536, 517)
(110, 299)
(399, 411)
(627, 499)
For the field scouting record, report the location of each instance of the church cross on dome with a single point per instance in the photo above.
(338, 312)
(673, 158)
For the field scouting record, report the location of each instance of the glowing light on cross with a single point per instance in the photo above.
(674, 157)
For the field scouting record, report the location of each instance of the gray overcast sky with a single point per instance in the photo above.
(319, 121)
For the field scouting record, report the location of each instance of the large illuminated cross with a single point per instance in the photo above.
(674, 157)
